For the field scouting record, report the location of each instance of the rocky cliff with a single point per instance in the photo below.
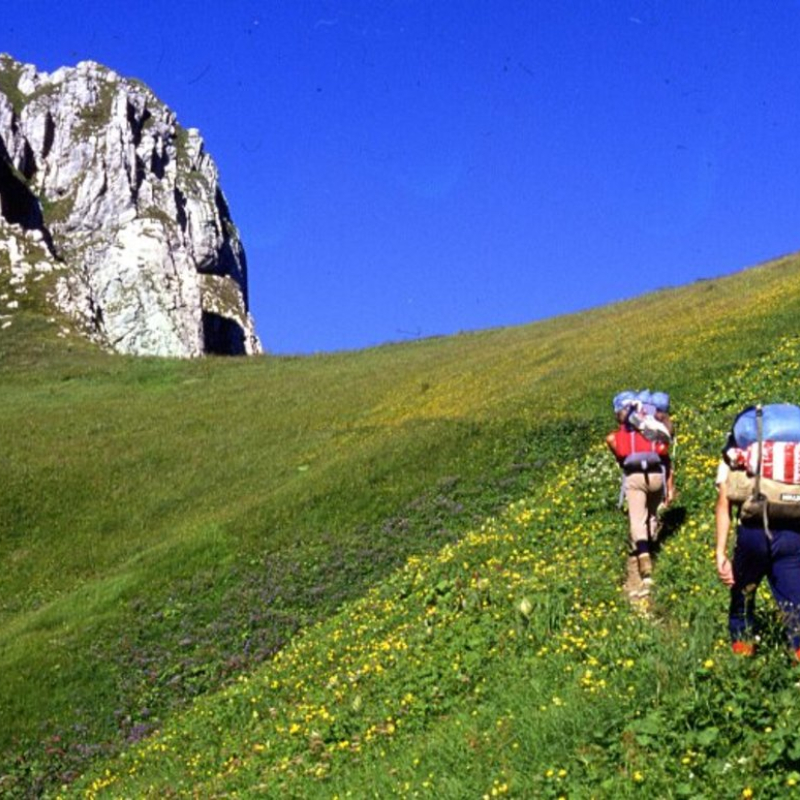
(105, 193)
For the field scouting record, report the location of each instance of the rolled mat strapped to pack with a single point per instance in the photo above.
(781, 423)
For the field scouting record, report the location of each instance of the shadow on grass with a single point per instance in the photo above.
(672, 520)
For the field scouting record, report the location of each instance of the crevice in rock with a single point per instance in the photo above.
(28, 162)
(223, 264)
(241, 279)
(222, 336)
(136, 123)
(228, 264)
(180, 209)
(18, 204)
(140, 174)
(49, 135)
(222, 206)
(96, 314)
(158, 164)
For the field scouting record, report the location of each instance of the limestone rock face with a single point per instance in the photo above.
(102, 187)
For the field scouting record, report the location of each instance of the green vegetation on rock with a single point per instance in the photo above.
(10, 73)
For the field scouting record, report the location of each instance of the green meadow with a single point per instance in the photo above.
(387, 573)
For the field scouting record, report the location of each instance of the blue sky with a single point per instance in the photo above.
(412, 168)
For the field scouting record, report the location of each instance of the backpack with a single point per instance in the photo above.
(764, 479)
(638, 453)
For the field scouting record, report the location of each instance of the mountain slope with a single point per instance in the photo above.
(172, 525)
(513, 651)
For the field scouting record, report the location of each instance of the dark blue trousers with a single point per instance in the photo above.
(756, 557)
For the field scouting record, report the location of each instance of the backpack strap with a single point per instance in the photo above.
(760, 497)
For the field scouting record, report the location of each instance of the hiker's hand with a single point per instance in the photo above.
(672, 496)
(724, 569)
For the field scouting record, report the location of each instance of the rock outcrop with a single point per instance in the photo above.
(100, 186)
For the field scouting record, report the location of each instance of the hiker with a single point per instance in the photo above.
(641, 446)
(767, 532)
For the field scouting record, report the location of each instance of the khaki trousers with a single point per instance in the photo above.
(644, 491)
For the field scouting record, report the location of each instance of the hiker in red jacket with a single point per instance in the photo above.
(647, 483)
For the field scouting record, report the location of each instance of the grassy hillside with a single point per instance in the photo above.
(375, 518)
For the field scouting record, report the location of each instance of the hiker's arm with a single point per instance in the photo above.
(722, 514)
(670, 493)
(611, 442)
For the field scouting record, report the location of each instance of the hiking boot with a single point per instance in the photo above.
(740, 648)
(645, 566)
